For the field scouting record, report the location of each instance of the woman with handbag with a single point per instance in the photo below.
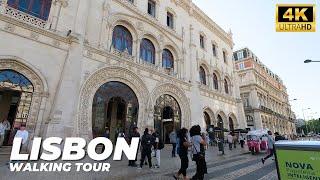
(184, 144)
(198, 152)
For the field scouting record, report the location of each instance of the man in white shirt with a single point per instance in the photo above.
(23, 133)
(7, 127)
(230, 140)
(2, 131)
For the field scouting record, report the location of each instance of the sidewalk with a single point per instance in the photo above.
(120, 169)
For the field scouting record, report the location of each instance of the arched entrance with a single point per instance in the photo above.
(231, 125)
(115, 107)
(207, 119)
(167, 116)
(15, 101)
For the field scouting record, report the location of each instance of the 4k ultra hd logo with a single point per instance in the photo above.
(296, 18)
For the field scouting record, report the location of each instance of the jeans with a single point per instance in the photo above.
(269, 155)
(174, 149)
(158, 157)
(230, 146)
(184, 165)
(1, 139)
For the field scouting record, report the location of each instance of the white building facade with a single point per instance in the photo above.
(76, 67)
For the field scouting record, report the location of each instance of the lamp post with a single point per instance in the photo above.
(310, 61)
(305, 118)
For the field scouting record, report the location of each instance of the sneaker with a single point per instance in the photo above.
(139, 168)
(262, 160)
(156, 166)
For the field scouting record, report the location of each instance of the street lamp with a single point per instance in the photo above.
(309, 61)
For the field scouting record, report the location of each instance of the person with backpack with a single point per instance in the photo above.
(158, 146)
(146, 145)
(184, 144)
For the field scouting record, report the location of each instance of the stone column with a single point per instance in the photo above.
(3, 6)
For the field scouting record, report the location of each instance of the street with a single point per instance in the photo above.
(235, 164)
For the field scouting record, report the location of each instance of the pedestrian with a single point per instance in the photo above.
(241, 138)
(2, 132)
(173, 141)
(23, 133)
(7, 127)
(230, 140)
(197, 152)
(278, 137)
(146, 145)
(270, 147)
(135, 133)
(235, 140)
(158, 146)
(184, 144)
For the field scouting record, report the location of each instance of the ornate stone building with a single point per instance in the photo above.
(264, 95)
(89, 65)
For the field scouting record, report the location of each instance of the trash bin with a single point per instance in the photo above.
(298, 160)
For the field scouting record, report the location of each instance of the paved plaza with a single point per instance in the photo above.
(235, 164)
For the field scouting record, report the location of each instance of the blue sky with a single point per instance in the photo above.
(253, 25)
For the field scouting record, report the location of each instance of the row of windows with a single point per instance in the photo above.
(122, 41)
(152, 12)
(170, 23)
(203, 80)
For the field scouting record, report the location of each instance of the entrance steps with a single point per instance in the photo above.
(5, 150)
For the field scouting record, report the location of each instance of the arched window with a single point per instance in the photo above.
(202, 76)
(122, 39)
(226, 86)
(167, 59)
(147, 51)
(215, 81)
(36, 8)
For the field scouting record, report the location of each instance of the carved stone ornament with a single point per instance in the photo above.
(92, 84)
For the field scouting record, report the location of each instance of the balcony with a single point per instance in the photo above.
(21, 16)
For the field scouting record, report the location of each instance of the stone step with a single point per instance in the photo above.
(5, 150)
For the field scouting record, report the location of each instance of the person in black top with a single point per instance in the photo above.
(184, 144)
(135, 133)
(146, 144)
(278, 137)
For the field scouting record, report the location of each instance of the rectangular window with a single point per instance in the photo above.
(240, 55)
(214, 51)
(224, 56)
(170, 20)
(152, 8)
(202, 41)
(241, 66)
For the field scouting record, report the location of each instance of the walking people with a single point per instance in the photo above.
(230, 140)
(270, 147)
(241, 138)
(23, 133)
(2, 132)
(158, 146)
(146, 145)
(7, 127)
(198, 155)
(173, 141)
(134, 133)
(184, 144)
(235, 140)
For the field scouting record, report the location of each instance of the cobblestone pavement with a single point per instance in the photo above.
(236, 164)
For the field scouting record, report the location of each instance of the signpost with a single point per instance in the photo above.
(298, 160)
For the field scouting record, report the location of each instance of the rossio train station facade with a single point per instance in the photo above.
(75, 68)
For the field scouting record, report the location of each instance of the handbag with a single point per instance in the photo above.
(200, 156)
